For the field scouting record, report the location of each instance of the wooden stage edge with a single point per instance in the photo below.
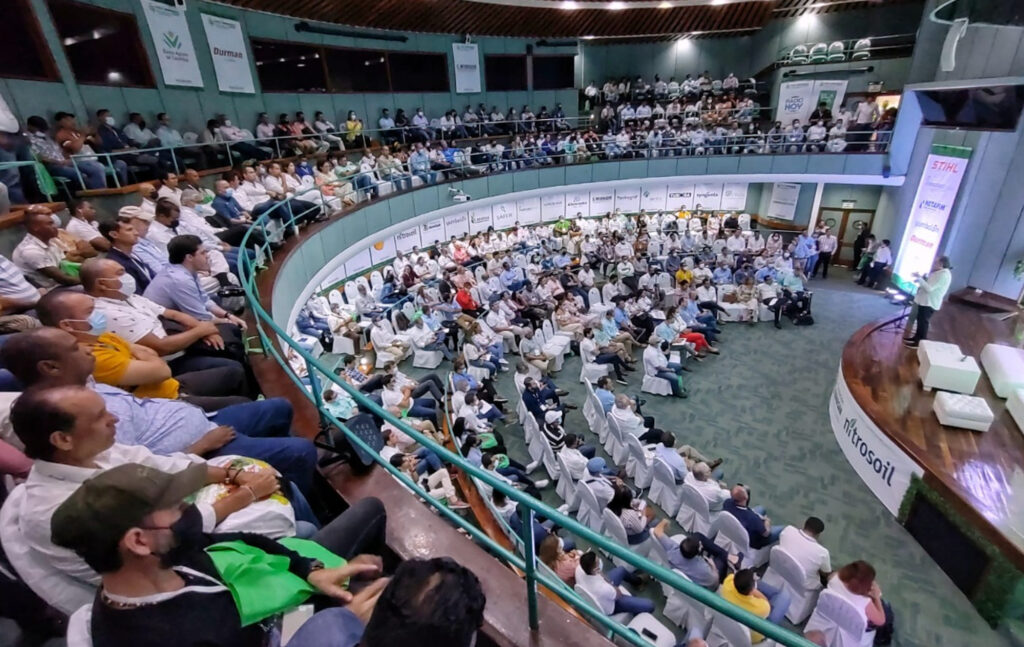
(970, 470)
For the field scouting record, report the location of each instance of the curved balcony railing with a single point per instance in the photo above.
(318, 375)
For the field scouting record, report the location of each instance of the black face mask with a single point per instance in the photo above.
(142, 125)
(153, 196)
(188, 538)
(174, 223)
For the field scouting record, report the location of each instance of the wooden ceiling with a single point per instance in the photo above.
(484, 19)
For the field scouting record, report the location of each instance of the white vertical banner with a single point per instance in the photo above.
(707, 196)
(577, 205)
(173, 44)
(528, 211)
(466, 59)
(734, 196)
(831, 93)
(406, 239)
(358, 263)
(782, 204)
(940, 182)
(503, 215)
(881, 464)
(456, 225)
(230, 58)
(432, 231)
(479, 219)
(627, 199)
(653, 197)
(382, 250)
(602, 201)
(552, 208)
(678, 196)
(796, 101)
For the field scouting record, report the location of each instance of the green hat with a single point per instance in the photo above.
(104, 507)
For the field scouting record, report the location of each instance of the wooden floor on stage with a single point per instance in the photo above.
(973, 469)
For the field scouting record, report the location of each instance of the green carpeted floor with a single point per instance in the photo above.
(762, 405)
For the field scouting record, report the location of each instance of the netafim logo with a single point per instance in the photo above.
(883, 468)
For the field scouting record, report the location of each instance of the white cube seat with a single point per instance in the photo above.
(944, 366)
(1005, 368)
(1015, 405)
(656, 385)
(964, 411)
(427, 358)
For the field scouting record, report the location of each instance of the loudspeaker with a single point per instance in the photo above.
(956, 31)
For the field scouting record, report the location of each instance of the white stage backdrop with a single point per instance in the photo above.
(884, 467)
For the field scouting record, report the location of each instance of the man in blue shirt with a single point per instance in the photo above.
(562, 259)
(419, 164)
(510, 278)
(758, 526)
(604, 393)
(722, 274)
(767, 270)
(177, 287)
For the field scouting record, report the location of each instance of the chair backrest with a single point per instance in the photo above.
(613, 427)
(663, 474)
(836, 47)
(636, 450)
(664, 280)
(409, 310)
(594, 295)
(730, 528)
(862, 45)
(690, 497)
(782, 562)
(725, 628)
(530, 427)
(587, 597)
(835, 609)
(609, 292)
(563, 469)
(613, 527)
(376, 279)
(361, 280)
(744, 220)
(549, 330)
(351, 291)
(55, 588)
(798, 52)
(334, 298)
(587, 498)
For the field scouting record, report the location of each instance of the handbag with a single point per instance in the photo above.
(272, 517)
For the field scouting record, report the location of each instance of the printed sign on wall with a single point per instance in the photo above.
(782, 204)
(431, 231)
(652, 198)
(407, 239)
(552, 207)
(577, 203)
(173, 44)
(466, 59)
(479, 219)
(456, 225)
(503, 215)
(707, 196)
(602, 201)
(627, 199)
(382, 250)
(679, 196)
(734, 196)
(230, 58)
(359, 263)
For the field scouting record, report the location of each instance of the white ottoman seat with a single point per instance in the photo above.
(1005, 368)
(965, 411)
(944, 366)
(1015, 405)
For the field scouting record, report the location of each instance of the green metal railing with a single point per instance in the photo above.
(529, 507)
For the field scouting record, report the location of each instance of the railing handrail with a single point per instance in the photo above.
(528, 505)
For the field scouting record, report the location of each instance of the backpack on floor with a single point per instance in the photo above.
(804, 319)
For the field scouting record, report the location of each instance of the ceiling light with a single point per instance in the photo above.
(114, 76)
(716, 3)
(665, 5)
(570, 5)
(589, 37)
(616, 6)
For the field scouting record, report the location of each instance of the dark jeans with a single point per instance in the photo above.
(871, 273)
(611, 358)
(213, 388)
(824, 260)
(431, 384)
(924, 318)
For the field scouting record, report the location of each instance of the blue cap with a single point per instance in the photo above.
(596, 465)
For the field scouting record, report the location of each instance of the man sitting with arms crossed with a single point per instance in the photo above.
(129, 524)
(136, 368)
(49, 357)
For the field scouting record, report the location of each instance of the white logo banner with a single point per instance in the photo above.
(433, 231)
(504, 215)
(782, 204)
(707, 196)
(552, 207)
(407, 239)
(479, 219)
(796, 99)
(528, 211)
(884, 467)
(679, 196)
(173, 44)
(456, 225)
(466, 58)
(601, 202)
(734, 196)
(358, 263)
(382, 250)
(653, 197)
(577, 205)
(230, 58)
(628, 199)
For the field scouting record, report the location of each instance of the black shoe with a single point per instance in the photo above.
(569, 406)
(500, 400)
(561, 392)
(778, 325)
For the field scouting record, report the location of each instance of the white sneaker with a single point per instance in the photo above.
(532, 467)
(564, 508)
(503, 361)
(542, 483)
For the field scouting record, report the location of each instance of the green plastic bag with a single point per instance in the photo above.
(260, 583)
(70, 268)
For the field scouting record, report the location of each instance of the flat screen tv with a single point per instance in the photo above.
(996, 107)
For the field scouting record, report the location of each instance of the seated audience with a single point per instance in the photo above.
(745, 591)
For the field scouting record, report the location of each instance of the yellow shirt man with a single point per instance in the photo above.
(755, 603)
(114, 355)
(683, 274)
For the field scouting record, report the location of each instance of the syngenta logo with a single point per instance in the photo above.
(172, 40)
(883, 468)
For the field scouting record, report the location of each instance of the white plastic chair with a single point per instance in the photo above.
(684, 610)
(621, 618)
(733, 537)
(423, 358)
(694, 515)
(592, 371)
(655, 385)
(726, 632)
(784, 572)
(861, 50)
(744, 220)
(841, 622)
(608, 293)
(648, 628)
(819, 53)
(615, 445)
(664, 491)
(638, 463)
(589, 511)
(376, 281)
(334, 298)
(798, 54)
(351, 291)
(551, 464)
(836, 52)
(614, 529)
(565, 487)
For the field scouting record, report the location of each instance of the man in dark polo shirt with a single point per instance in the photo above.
(754, 521)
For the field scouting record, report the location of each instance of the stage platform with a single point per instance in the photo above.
(963, 490)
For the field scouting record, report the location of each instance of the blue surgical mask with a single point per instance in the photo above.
(97, 323)
(229, 192)
(127, 287)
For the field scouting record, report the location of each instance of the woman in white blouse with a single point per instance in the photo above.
(636, 516)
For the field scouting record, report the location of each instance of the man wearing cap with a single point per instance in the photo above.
(71, 437)
(602, 480)
(160, 585)
(49, 357)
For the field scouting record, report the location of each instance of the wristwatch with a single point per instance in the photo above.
(316, 565)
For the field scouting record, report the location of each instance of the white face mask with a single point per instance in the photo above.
(56, 220)
(227, 122)
(110, 121)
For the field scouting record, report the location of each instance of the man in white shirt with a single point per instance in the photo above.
(802, 546)
(138, 133)
(604, 589)
(82, 224)
(169, 188)
(700, 478)
(931, 290)
(630, 422)
(656, 364)
(39, 253)
(872, 272)
(827, 244)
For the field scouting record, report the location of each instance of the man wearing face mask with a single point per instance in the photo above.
(137, 132)
(133, 367)
(816, 135)
(39, 254)
(232, 219)
(164, 228)
(130, 525)
(113, 140)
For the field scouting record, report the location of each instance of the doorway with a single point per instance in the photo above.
(846, 224)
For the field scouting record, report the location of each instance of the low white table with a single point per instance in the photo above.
(1005, 368)
(1015, 405)
(944, 366)
(964, 411)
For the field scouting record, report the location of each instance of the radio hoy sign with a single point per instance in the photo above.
(173, 44)
(884, 467)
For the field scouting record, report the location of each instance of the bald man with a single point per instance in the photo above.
(133, 367)
(754, 520)
(40, 254)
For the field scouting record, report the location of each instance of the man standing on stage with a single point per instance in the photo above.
(931, 290)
